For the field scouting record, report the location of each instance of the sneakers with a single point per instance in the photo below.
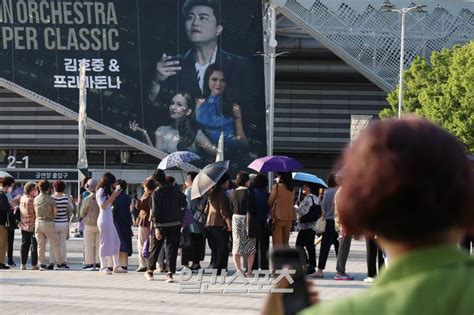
(195, 267)
(88, 267)
(141, 269)
(369, 280)
(149, 275)
(22, 267)
(42, 268)
(4, 267)
(318, 274)
(310, 270)
(11, 264)
(35, 267)
(50, 267)
(169, 278)
(343, 277)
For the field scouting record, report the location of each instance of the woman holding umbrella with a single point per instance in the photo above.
(282, 211)
(218, 222)
(308, 213)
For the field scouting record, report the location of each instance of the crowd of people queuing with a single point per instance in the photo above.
(221, 218)
(232, 218)
(396, 203)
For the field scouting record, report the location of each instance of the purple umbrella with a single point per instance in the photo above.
(275, 163)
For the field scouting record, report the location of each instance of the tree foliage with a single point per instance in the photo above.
(442, 92)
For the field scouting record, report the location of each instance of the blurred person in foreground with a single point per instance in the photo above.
(392, 190)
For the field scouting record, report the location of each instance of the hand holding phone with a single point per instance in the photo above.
(292, 259)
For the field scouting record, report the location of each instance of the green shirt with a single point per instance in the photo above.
(436, 281)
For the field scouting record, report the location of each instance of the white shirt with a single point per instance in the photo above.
(201, 69)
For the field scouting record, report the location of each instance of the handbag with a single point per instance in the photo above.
(146, 246)
(188, 218)
(320, 225)
(13, 219)
(200, 214)
(81, 225)
(251, 222)
(11, 222)
(270, 223)
(313, 214)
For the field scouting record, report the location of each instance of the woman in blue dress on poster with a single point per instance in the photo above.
(216, 114)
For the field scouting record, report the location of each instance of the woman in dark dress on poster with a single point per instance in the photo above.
(123, 223)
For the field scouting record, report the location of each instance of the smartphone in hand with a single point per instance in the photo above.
(292, 259)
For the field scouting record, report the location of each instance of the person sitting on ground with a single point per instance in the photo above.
(392, 189)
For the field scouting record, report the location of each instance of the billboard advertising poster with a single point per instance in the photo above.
(173, 74)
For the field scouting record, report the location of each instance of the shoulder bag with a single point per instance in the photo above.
(200, 215)
(251, 220)
(270, 223)
(313, 214)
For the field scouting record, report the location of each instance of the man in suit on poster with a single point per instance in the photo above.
(203, 28)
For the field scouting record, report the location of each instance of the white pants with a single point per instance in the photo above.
(62, 230)
(91, 244)
(45, 231)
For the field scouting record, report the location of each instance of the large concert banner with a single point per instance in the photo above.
(175, 74)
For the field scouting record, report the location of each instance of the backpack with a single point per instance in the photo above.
(313, 214)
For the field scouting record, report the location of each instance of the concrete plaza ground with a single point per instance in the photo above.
(86, 292)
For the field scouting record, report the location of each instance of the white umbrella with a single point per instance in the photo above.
(5, 174)
(177, 158)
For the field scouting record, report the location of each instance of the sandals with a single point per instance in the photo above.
(120, 270)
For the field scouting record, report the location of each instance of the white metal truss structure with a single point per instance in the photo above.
(369, 40)
(92, 123)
